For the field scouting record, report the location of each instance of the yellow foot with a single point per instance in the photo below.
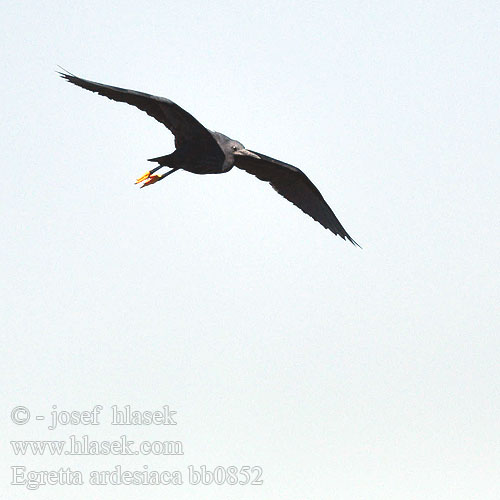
(151, 180)
(147, 175)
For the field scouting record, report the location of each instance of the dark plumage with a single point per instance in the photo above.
(201, 151)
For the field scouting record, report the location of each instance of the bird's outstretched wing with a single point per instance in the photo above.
(295, 186)
(184, 126)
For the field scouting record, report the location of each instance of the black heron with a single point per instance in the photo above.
(201, 151)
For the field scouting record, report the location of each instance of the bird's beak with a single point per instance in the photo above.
(246, 152)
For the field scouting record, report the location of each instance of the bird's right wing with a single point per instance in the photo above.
(291, 183)
(183, 125)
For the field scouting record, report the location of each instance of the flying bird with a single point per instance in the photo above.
(202, 151)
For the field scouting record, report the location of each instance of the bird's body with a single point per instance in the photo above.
(204, 158)
(201, 151)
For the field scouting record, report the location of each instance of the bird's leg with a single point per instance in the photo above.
(151, 179)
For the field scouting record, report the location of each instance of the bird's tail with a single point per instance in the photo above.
(162, 160)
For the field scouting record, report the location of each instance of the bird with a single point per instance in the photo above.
(202, 151)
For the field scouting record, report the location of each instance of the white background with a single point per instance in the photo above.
(343, 373)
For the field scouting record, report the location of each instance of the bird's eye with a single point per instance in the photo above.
(235, 148)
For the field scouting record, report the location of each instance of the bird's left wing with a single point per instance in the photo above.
(291, 183)
(184, 126)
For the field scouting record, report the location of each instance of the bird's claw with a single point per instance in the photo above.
(151, 180)
(147, 175)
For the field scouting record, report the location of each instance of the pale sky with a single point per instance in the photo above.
(342, 373)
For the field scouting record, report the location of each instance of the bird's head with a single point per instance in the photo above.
(239, 150)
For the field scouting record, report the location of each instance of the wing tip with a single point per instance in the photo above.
(67, 75)
(355, 243)
(63, 72)
(345, 236)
